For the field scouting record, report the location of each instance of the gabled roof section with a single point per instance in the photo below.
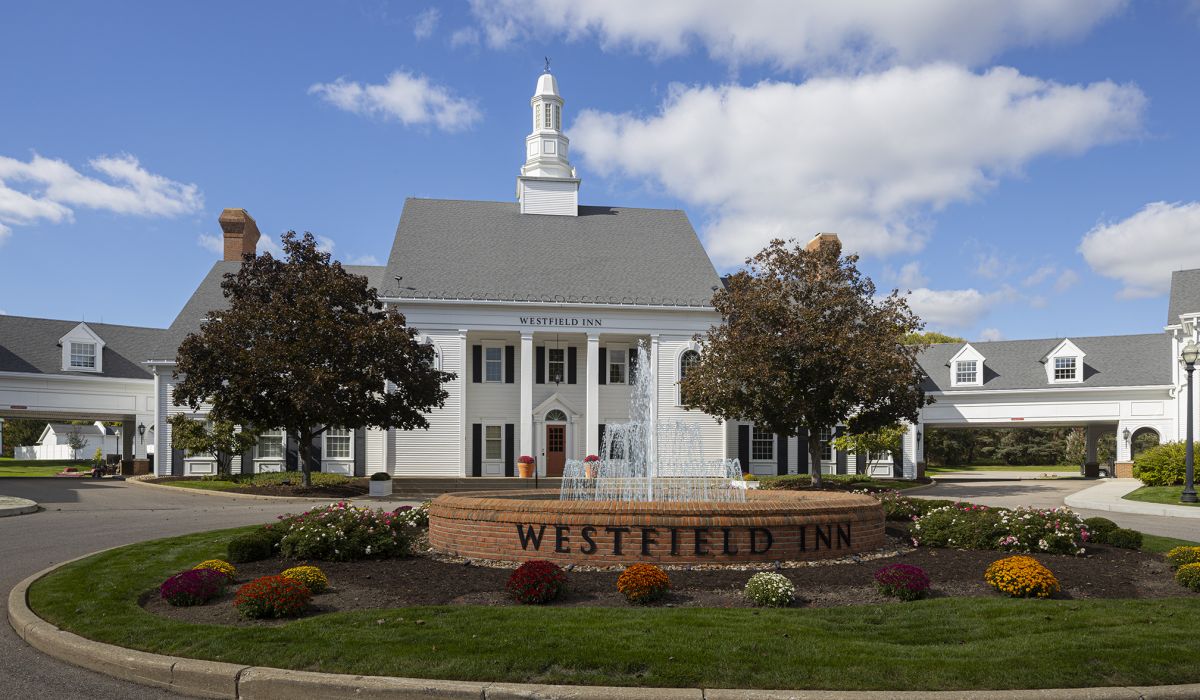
(489, 251)
(82, 332)
(1185, 295)
(1064, 349)
(966, 352)
(32, 346)
(210, 297)
(1112, 361)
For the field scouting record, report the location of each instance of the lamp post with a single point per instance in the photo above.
(1190, 354)
(142, 432)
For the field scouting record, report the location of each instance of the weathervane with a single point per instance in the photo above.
(547, 64)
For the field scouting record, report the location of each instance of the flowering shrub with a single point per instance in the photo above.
(416, 517)
(313, 578)
(1188, 576)
(525, 459)
(343, 532)
(770, 590)
(218, 565)
(193, 587)
(592, 458)
(272, 596)
(643, 583)
(967, 526)
(897, 506)
(537, 582)
(903, 581)
(1181, 556)
(1021, 577)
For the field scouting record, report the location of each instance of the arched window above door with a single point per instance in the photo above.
(555, 414)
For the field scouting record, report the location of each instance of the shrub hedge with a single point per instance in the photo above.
(1099, 529)
(344, 532)
(1161, 465)
(1124, 538)
(967, 526)
(252, 546)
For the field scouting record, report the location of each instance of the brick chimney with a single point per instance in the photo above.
(819, 241)
(241, 234)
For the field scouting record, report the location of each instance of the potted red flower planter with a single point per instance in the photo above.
(591, 466)
(525, 466)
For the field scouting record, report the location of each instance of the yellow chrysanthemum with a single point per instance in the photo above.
(312, 577)
(218, 565)
(1022, 577)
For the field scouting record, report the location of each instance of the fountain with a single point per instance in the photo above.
(654, 496)
(644, 461)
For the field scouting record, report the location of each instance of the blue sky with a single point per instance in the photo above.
(1027, 168)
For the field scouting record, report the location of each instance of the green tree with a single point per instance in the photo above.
(219, 438)
(930, 338)
(806, 342)
(76, 442)
(20, 432)
(304, 346)
(885, 439)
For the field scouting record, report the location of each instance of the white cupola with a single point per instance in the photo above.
(547, 183)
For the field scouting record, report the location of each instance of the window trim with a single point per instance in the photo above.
(679, 373)
(1074, 369)
(71, 354)
(758, 440)
(282, 445)
(349, 436)
(483, 435)
(957, 370)
(499, 349)
(825, 440)
(549, 361)
(623, 364)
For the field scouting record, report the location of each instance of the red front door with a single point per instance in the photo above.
(556, 449)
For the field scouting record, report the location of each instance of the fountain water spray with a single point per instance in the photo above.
(644, 461)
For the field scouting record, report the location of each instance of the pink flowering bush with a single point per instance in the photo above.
(193, 587)
(343, 532)
(967, 526)
(903, 581)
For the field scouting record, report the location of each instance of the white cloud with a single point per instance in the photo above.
(466, 36)
(866, 156)
(991, 334)
(426, 23)
(1039, 275)
(212, 243)
(1038, 301)
(853, 34)
(1066, 280)
(362, 260)
(3, 312)
(407, 97)
(1141, 251)
(909, 275)
(952, 308)
(46, 189)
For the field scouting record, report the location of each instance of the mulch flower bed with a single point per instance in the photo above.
(1104, 572)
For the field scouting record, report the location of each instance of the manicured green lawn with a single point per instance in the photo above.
(843, 481)
(1162, 545)
(35, 467)
(1158, 494)
(936, 644)
(1001, 468)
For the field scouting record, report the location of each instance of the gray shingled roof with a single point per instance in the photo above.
(1109, 360)
(93, 429)
(1185, 295)
(31, 345)
(209, 297)
(490, 251)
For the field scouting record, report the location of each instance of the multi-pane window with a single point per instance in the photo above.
(493, 442)
(338, 444)
(825, 435)
(83, 355)
(547, 123)
(616, 365)
(537, 115)
(689, 359)
(270, 445)
(558, 117)
(493, 360)
(556, 365)
(1064, 369)
(966, 372)
(762, 444)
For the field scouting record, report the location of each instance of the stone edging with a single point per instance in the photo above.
(11, 505)
(216, 679)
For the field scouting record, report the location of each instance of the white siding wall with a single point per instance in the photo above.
(494, 402)
(542, 197)
(376, 440)
(712, 431)
(433, 452)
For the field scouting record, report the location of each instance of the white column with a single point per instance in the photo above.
(527, 370)
(464, 454)
(140, 441)
(592, 407)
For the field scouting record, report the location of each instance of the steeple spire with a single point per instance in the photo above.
(547, 183)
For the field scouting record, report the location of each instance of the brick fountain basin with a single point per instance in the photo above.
(769, 526)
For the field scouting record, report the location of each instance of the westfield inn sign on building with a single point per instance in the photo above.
(537, 306)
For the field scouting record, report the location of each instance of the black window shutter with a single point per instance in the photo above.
(898, 464)
(315, 453)
(540, 361)
(743, 446)
(476, 449)
(176, 462)
(860, 462)
(247, 466)
(781, 454)
(360, 452)
(476, 363)
(600, 442)
(572, 358)
(291, 455)
(604, 365)
(841, 454)
(510, 461)
(633, 357)
(802, 451)
(510, 354)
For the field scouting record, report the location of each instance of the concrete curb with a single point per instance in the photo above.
(11, 505)
(1109, 496)
(215, 679)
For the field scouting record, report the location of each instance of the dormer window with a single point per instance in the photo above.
(1066, 369)
(83, 356)
(966, 367)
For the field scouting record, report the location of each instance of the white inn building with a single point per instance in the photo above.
(537, 306)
